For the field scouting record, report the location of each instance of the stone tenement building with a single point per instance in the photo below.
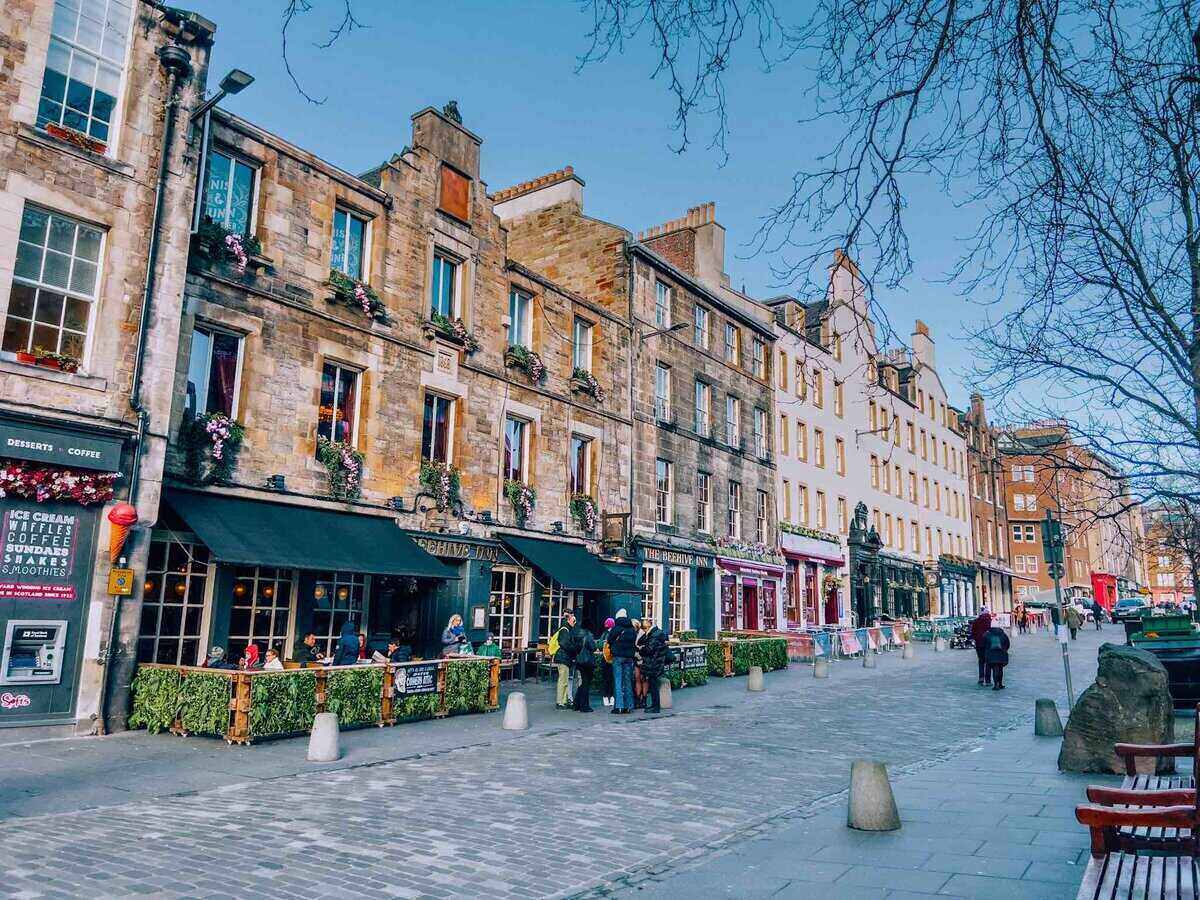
(87, 92)
(989, 517)
(1170, 544)
(701, 496)
(382, 362)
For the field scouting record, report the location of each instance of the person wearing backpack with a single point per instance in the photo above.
(995, 654)
(654, 653)
(585, 665)
(563, 648)
(622, 643)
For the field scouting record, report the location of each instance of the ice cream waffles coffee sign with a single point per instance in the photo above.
(39, 554)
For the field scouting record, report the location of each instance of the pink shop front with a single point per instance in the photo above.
(812, 587)
(751, 595)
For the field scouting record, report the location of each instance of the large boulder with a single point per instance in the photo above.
(1128, 703)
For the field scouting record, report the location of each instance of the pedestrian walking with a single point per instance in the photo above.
(1022, 619)
(585, 665)
(1097, 613)
(565, 646)
(979, 627)
(1074, 620)
(622, 643)
(606, 664)
(652, 648)
(346, 653)
(995, 650)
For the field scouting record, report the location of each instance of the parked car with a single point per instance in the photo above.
(1129, 609)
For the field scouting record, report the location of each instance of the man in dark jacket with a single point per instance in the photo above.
(654, 654)
(346, 653)
(979, 627)
(995, 651)
(570, 639)
(307, 653)
(622, 641)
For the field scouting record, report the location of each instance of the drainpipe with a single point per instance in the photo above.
(178, 65)
(635, 351)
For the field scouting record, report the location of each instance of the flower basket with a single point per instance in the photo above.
(357, 295)
(449, 329)
(211, 443)
(43, 483)
(344, 465)
(77, 138)
(523, 499)
(527, 361)
(585, 513)
(831, 582)
(584, 382)
(441, 480)
(219, 245)
(28, 359)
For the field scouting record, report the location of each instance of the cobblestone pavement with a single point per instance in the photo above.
(597, 805)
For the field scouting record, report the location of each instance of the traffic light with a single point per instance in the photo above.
(1052, 540)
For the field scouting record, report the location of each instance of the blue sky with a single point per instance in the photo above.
(514, 76)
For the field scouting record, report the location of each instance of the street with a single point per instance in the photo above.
(720, 798)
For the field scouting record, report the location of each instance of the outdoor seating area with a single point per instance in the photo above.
(244, 706)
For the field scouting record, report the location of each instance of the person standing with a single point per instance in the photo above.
(585, 665)
(995, 649)
(622, 642)
(652, 648)
(569, 639)
(346, 653)
(606, 664)
(979, 627)
(1097, 613)
(1074, 620)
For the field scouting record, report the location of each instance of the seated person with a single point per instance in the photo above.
(273, 663)
(307, 653)
(488, 647)
(216, 659)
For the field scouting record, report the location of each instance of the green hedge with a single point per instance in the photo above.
(414, 708)
(769, 653)
(155, 699)
(355, 695)
(716, 658)
(199, 700)
(467, 685)
(282, 704)
(692, 677)
(204, 703)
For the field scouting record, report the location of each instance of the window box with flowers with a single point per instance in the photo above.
(220, 246)
(804, 531)
(210, 444)
(584, 511)
(75, 138)
(441, 481)
(522, 497)
(453, 330)
(752, 551)
(30, 481)
(584, 382)
(527, 361)
(357, 295)
(344, 465)
(48, 360)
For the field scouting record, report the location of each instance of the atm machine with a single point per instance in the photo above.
(33, 652)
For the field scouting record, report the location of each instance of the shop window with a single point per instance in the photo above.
(516, 449)
(338, 597)
(703, 332)
(84, 65)
(664, 492)
(228, 192)
(733, 516)
(581, 345)
(261, 611)
(54, 284)
(349, 253)
(337, 418)
(556, 599)
(455, 196)
(173, 594)
(703, 409)
(704, 502)
(507, 607)
(214, 370)
(678, 597)
(652, 591)
(581, 465)
(662, 305)
(520, 319)
(437, 429)
(444, 286)
(729, 603)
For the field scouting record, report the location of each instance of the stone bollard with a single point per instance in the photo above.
(664, 693)
(821, 668)
(868, 660)
(754, 680)
(516, 713)
(1046, 722)
(939, 645)
(872, 806)
(324, 744)
(909, 651)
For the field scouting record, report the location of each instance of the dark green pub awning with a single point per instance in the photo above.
(263, 533)
(570, 565)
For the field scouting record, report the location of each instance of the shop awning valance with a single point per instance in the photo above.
(570, 565)
(262, 533)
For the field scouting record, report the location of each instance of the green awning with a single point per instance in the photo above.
(570, 565)
(264, 533)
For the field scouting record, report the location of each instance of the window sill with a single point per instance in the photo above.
(9, 365)
(42, 138)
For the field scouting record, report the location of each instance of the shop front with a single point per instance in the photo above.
(812, 586)
(901, 586)
(1104, 589)
(55, 481)
(679, 587)
(228, 570)
(751, 594)
(956, 586)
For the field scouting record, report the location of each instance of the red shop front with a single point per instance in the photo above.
(1104, 589)
(751, 595)
(809, 600)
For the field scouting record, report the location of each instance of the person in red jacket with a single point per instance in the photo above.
(979, 627)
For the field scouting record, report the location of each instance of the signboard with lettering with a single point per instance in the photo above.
(420, 678)
(677, 557)
(37, 554)
(458, 549)
(693, 656)
(60, 448)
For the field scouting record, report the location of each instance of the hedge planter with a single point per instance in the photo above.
(735, 656)
(243, 707)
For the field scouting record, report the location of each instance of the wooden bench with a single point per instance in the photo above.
(1128, 875)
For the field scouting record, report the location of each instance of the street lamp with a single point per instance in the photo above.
(234, 82)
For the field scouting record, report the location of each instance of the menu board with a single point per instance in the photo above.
(694, 656)
(37, 554)
(417, 679)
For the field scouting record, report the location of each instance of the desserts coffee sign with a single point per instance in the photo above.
(37, 553)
